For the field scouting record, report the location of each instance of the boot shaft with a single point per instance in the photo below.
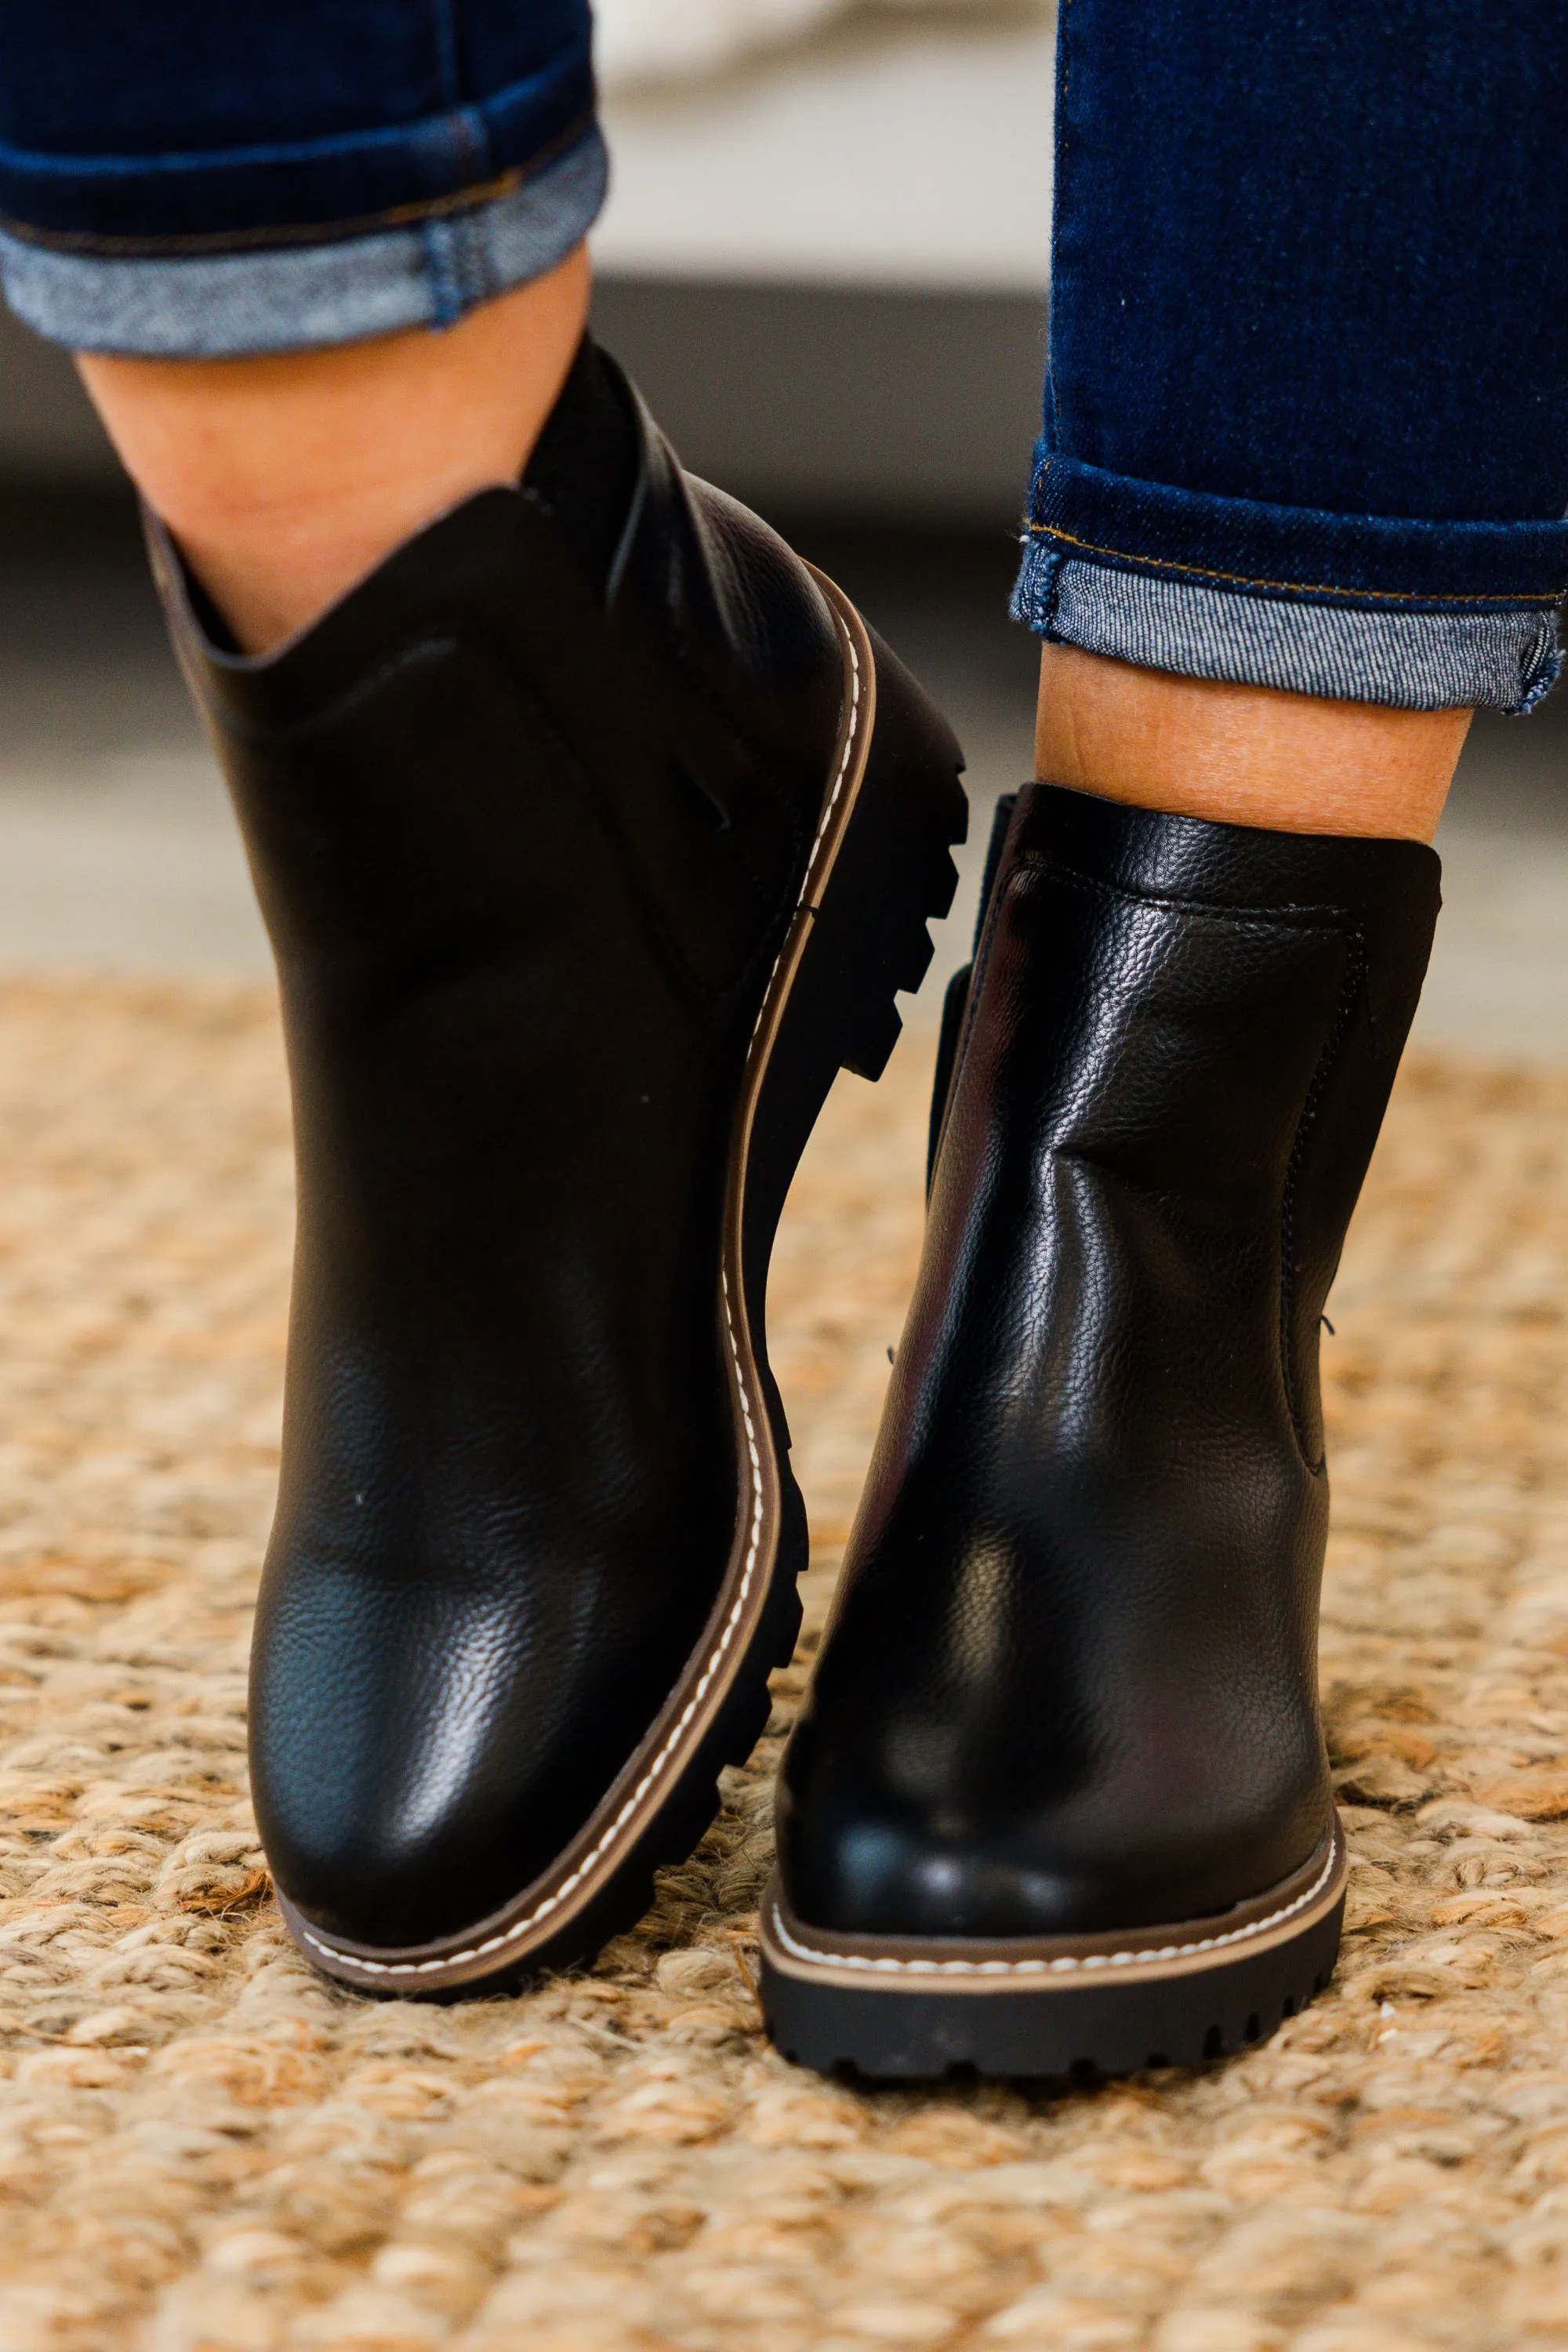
(1209, 1018)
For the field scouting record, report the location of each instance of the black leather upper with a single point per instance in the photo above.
(1070, 1683)
(525, 861)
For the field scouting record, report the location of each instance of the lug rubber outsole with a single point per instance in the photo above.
(879, 872)
(885, 2010)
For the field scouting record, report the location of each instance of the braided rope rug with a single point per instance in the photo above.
(204, 2148)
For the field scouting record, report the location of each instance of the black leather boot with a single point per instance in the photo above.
(1059, 1799)
(594, 834)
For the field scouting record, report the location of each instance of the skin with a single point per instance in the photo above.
(1242, 754)
(286, 479)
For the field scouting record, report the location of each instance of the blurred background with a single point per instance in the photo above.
(825, 260)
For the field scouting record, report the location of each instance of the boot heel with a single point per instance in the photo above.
(894, 872)
(882, 873)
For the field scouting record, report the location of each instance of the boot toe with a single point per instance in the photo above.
(858, 1875)
(1104, 1863)
(413, 1775)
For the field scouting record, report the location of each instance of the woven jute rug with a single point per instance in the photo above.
(204, 2149)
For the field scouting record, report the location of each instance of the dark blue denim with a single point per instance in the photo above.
(1310, 307)
(165, 127)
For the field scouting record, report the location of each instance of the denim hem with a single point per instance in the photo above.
(170, 205)
(1407, 661)
(1300, 552)
(425, 273)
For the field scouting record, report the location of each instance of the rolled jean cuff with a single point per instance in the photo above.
(1494, 660)
(1417, 614)
(427, 272)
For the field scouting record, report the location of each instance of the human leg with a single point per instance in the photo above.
(1305, 423)
(285, 479)
(1242, 754)
(1059, 1794)
(293, 398)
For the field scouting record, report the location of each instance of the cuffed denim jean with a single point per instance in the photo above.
(1307, 413)
(1305, 416)
(182, 179)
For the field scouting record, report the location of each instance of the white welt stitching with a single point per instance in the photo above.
(568, 1885)
(1066, 1966)
(849, 733)
(805, 898)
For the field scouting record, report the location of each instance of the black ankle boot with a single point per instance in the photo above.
(593, 832)
(1059, 1798)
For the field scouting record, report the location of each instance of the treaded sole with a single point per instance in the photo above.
(1102, 2029)
(1172, 2005)
(862, 938)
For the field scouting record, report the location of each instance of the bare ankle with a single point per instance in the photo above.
(1242, 754)
(285, 479)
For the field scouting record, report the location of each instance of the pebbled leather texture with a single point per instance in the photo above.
(525, 855)
(1071, 1682)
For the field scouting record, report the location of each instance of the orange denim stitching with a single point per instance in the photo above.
(1290, 587)
(220, 242)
